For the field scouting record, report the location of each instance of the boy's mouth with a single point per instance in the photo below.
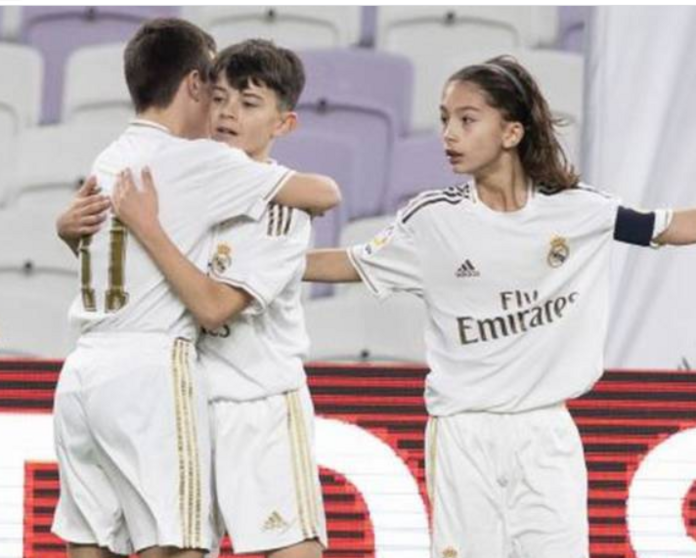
(225, 132)
(453, 156)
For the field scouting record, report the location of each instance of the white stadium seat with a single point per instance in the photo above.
(20, 101)
(357, 327)
(52, 160)
(429, 34)
(10, 22)
(289, 26)
(38, 281)
(95, 88)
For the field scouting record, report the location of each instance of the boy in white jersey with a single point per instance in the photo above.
(513, 269)
(131, 419)
(266, 477)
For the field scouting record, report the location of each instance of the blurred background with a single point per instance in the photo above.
(368, 117)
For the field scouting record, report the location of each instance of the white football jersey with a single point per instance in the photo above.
(517, 302)
(260, 353)
(200, 183)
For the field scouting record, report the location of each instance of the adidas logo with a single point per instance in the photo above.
(275, 521)
(467, 269)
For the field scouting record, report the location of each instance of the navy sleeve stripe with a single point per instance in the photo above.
(634, 227)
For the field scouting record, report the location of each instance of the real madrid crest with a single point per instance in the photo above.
(559, 252)
(222, 259)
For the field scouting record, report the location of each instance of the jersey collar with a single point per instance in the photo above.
(144, 123)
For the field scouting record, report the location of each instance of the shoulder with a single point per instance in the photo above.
(431, 200)
(206, 152)
(581, 195)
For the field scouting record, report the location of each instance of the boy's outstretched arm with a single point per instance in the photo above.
(211, 303)
(681, 230)
(330, 266)
(314, 193)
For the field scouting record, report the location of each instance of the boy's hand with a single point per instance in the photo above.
(86, 212)
(136, 208)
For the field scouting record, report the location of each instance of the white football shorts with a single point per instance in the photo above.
(265, 471)
(507, 485)
(133, 446)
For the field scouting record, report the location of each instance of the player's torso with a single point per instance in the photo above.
(484, 264)
(258, 355)
(515, 299)
(121, 289)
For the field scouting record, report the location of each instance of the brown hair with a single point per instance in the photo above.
(510, 88)
(160, 55)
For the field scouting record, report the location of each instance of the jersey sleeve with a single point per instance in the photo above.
(641, 228)
(235, 185)
(263, 256)
(389, 263)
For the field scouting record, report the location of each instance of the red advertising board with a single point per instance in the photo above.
(638, 427)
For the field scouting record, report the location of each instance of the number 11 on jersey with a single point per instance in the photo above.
(116, 296)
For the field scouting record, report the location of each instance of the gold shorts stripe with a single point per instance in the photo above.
(308, 467)
(300, 489)
(432, 460)
(196, 493)
(181, 439)
(187, 443)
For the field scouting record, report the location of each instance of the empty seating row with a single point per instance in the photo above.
(361, 98)
(416, 32)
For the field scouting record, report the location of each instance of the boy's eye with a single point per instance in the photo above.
(467, 120)
(443, 119)
(218, 99)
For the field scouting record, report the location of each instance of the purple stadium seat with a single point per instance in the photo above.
(418, 164)
(573, 22)
(57, 31)
(364, 96)
(326, 153)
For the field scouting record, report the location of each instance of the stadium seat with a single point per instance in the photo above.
(20, 102)
(10, 22)
(572, 24)
(51, 161)
(59, 30)
(418, 163)
(325, 153)
(427, 35)
(372, 123)
(289, 26)
(559, 74)
(38, 281)
(386, 80)
(95, 89)
(357, 327)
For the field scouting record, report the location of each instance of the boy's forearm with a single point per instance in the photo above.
(313, 193)
(330, 266)
(211, 303)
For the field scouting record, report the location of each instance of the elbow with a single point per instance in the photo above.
(332, 196)
(212, 317)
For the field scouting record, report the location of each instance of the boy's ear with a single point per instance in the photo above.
(287, 124)
(195, 86)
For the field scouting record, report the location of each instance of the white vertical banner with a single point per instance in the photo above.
(640, 143)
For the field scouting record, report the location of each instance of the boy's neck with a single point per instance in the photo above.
(170, 119)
